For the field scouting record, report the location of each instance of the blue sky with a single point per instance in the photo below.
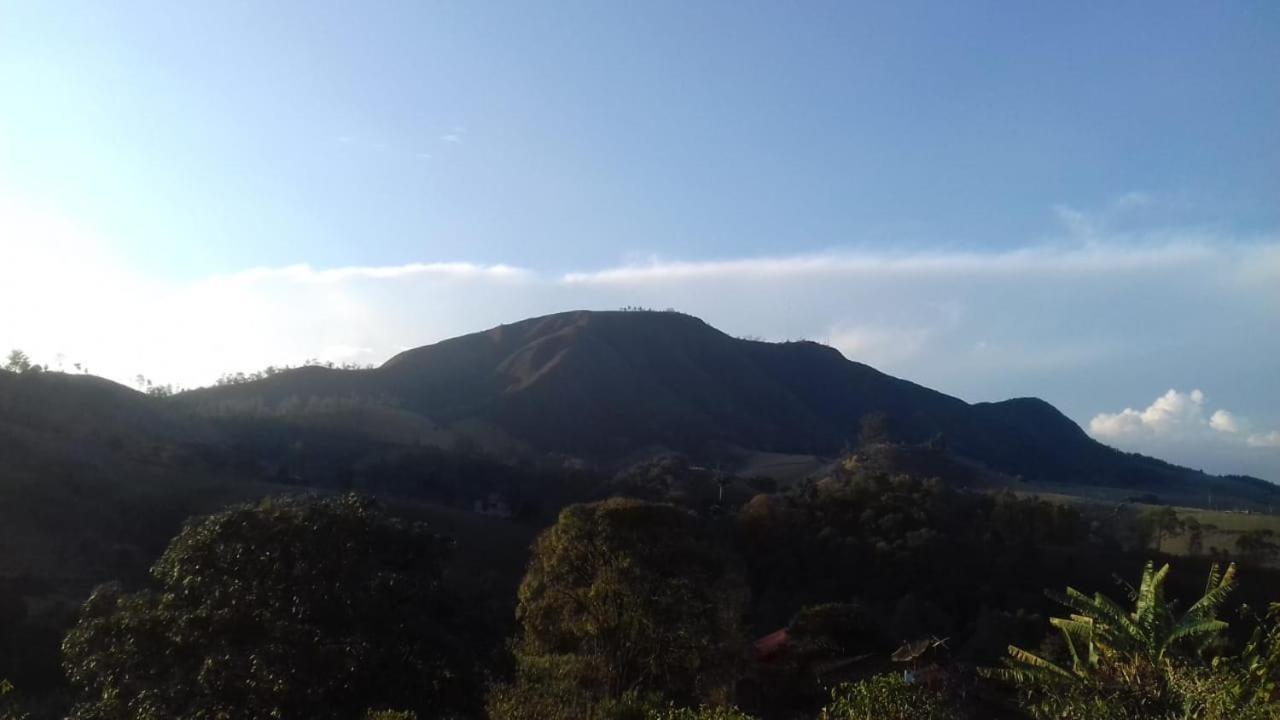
(1080, 202)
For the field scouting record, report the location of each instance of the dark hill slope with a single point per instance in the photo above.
(606, 385)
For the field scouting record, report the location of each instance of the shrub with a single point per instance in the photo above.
(886, 697)
(702, 713)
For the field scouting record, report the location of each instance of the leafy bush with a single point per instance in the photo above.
(541, 697)
(886, 697)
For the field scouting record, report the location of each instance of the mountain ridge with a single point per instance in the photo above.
(604, 385)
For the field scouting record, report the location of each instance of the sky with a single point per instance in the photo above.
(1079, 202)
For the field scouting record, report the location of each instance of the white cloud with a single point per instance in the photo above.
(452, 138)
(1172, 413)
(1044, 260)
(1175, 426)
(1223, 421)
(1265, 440)
(304, 273)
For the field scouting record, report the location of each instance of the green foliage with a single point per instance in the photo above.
(898, 543)
(1160, 523)
(290, 608)
(1257, 545)
(1100, 632)
(9, 707)
(835, 629)
(390, 715)
(1146, 663)
(539, 696)
(886, 697)
(623, 599)
(717, 712)
(1256, 671)
(241, 377)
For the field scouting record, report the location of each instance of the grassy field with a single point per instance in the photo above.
(1220, 529)
(1232, 521)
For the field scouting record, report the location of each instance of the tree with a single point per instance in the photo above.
(160, 391)
(1257, 545)
(19, 362)
(1163, 523)
(624, 600)
(1195, 536)
(1147, 663)
(290, 608)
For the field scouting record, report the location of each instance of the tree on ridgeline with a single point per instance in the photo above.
(290, 608)
(19, 362)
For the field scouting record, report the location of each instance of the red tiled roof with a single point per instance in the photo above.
(771, 643)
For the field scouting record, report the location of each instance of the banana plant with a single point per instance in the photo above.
(1100, 633)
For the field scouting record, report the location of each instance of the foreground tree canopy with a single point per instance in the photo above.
(623, 600)
(291, 608)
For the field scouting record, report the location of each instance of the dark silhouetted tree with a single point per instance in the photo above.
(291, 608)
(1257, 545)
(19, 362)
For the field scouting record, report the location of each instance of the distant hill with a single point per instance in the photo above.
(612, 387)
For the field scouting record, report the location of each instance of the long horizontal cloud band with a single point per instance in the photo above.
(1093, 258)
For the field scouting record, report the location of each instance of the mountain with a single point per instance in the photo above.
(609, 387)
